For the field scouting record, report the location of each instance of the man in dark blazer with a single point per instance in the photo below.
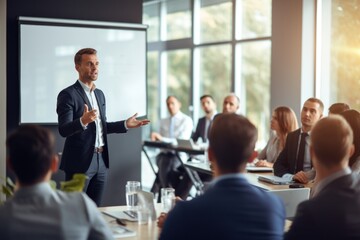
(290, 164)
(231, 208)
(334, 209)
(208, 105)
(81, 113)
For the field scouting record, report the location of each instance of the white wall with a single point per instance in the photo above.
(2, 87)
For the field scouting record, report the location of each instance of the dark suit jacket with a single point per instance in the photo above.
(333, 214)
(200, 130)
(286, 162)
(231, 209)
(80, 143)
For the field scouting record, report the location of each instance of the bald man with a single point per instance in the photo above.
(231, 104)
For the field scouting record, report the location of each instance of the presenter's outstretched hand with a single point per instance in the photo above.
(132, 122)
(88, 116)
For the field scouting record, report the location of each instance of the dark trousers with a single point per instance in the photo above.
(167, 163)
(97, 175)
(171, 173)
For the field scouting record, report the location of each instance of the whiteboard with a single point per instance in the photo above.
(47, 49)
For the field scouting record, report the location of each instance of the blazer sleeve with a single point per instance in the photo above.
(69, 113)
(197, 134)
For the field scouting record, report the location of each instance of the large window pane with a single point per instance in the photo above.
(214, 73)
(178, 19)
(253, 71)
(151, 17)
(153, 87)
(214, 20)
(253, 18)
(178, 77)
(344, 53)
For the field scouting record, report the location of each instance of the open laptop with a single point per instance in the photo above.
(292, 198)
(274, 180)
(144, 198)
(187, 143)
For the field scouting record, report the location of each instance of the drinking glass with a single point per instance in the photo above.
(132, 187)
(167, 199)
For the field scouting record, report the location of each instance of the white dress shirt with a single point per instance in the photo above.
(99, 140)
(182, 126)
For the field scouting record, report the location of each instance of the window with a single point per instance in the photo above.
(178, 77)
(213, 68)
(214, 21)
(178, 19)
(210, 47)
(253, 73)
(338, 52)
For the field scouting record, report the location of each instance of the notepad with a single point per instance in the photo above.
(259, 169)
(121, 232)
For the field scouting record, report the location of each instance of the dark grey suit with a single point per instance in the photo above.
(286, 162)
(79, 144)
(333, 214)
(200, 130)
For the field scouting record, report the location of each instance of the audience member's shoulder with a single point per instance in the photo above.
(74, 197)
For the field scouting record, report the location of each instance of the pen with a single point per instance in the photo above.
(120, 222)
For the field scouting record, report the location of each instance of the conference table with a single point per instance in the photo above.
(148, 231)
(252, 177)
(193, 166)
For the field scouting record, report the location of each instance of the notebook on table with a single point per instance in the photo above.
(292, 198)
(275, 180)
(258, 169)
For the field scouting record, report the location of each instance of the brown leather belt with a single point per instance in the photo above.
(98, 150)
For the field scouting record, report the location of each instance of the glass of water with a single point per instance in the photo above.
(167, 199)
(132, 188)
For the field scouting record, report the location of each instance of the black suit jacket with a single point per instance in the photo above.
(80, 143)
(200, 130)
(333, 214)
(286, 162)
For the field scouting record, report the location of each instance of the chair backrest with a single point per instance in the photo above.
(292, 198)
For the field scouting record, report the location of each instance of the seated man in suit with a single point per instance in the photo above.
(202, 129)
(294, 161)
(334, 209)
(177, 125)
(36, 211)
(231, 208)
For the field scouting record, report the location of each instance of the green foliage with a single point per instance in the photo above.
(76, 184)
(8, 187)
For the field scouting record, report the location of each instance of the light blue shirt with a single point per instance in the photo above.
(39, 212)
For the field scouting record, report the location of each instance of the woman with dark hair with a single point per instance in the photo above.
(353, 118)
(283, 121)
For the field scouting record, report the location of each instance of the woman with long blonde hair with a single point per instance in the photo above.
(283, 121)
